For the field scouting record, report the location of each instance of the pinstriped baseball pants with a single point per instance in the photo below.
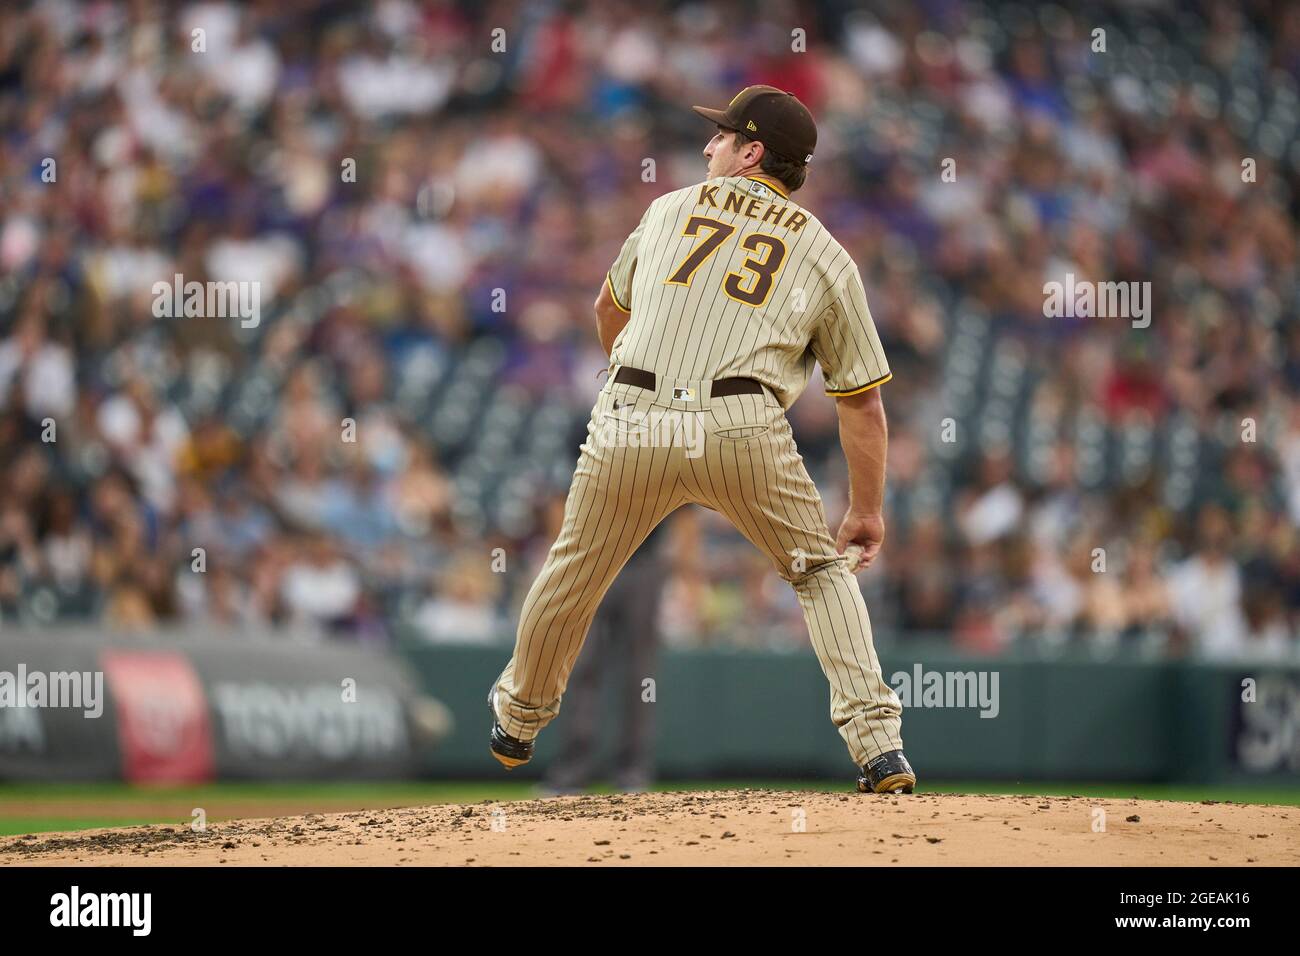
(647, 454)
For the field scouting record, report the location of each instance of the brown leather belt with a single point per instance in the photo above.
(722, 387)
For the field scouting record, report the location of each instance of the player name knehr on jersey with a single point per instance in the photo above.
(754, 207)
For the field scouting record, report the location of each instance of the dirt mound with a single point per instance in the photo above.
(726, 828)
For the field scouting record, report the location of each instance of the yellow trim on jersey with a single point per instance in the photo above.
(858, 391)
(609, 280)
(771, 183)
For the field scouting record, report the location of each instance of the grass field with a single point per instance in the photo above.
(36, 808)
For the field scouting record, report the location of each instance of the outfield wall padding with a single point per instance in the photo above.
(723, 713)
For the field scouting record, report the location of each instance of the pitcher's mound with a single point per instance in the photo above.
(723, 828)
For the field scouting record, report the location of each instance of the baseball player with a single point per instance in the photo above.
(713, 314)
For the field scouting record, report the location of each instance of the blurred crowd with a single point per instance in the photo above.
(411, 181)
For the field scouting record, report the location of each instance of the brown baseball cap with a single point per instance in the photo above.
(773, 117)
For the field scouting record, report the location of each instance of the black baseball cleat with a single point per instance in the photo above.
(510, 751)
(888, 773)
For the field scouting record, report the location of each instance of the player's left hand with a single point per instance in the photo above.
(864, 531)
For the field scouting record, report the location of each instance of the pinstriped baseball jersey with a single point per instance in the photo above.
(726, 278)
(731, 277)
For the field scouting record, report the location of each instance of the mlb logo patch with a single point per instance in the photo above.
(684, 394)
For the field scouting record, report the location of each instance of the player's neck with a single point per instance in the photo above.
(751, 171)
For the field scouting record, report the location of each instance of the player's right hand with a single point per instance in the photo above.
(866, 531)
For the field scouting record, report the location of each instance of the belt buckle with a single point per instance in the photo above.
(681, 394)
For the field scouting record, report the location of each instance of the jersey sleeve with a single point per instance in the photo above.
(620, 273)
(845, 340)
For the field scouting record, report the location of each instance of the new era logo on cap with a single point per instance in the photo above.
(751, 127)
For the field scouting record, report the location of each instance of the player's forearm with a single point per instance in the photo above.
(609, 323)
(864, 436)
(610, 319)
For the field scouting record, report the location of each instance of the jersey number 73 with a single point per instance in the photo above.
(752, 284)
